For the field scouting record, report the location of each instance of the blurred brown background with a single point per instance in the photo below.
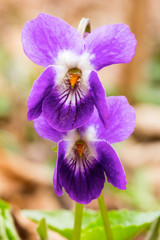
(26, 160)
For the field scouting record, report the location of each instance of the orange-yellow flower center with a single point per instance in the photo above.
(73, 79)
(80, 146)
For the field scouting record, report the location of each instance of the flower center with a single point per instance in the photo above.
(80, 146)
(73, 77)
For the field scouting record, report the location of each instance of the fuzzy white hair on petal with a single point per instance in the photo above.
(89, 134)
(68, 60)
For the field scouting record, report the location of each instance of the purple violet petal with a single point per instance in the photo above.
(121, 121)
(64, 111)
(111, 164)
(41, 88)
(45, 36)
(83, 179)
(99, 97)
(56, 182)
(45, 131)
(110, 44)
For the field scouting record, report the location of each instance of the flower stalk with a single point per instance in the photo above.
(84, 26)
(105, 218)
(77, 222)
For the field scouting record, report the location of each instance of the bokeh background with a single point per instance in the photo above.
(27, 161)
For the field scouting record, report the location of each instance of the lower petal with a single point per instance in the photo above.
(65, 111)
(41, 88)
(83, 179)
(99, 96)
(111, 164)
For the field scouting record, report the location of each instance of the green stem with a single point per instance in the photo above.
(104, 215)
(77, 222)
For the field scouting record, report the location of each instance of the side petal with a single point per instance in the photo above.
(111, 164)
(41, 88)
(56, 182)
(110, 44)
(44, 36)
(121, 121)
(99, 97)
(65, 111)
(45, 131)
(82, 180)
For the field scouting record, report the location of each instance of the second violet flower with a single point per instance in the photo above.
(69, 88)
(85, 154)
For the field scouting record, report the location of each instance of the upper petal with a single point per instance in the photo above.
(41, 88)
(99, 97)
(82, 178)
(111, 164)
(45, 131)
(44, 36)
(110, 44)
(121, 121)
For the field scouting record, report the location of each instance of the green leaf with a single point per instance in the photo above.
(154, 233)
(125, 224)
(7, 228)
(61, 221)
(3, 234)
(55, 149)
(4, 205)
(42, 229)
(10, 228)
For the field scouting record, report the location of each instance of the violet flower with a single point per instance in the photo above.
(85, 154)
(69, 88)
